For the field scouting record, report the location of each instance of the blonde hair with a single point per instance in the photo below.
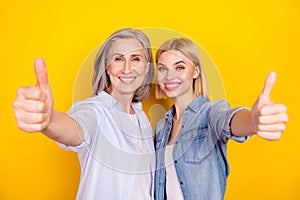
(190, 51)
(101, 81)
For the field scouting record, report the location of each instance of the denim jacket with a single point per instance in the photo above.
(199, 152)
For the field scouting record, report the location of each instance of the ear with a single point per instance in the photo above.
(196, 72)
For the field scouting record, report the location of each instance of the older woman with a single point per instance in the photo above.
(110, 132)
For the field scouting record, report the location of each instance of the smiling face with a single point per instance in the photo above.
(175, 74)
(127, 67)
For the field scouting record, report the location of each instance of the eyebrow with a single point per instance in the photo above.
(176, 63)
(137, 55)
(119, 54)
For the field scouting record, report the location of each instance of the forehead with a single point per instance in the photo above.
(171, 57)
(125, 46)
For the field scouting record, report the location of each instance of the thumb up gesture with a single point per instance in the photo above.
(269, 118)
(33, 106)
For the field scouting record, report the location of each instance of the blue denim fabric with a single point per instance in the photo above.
(199, 152)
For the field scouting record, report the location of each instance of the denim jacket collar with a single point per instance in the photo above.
(197, 103)
(194, 106)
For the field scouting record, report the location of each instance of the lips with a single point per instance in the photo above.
(127, 80)
(172, 86)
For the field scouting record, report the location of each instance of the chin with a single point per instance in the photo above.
(170, 94)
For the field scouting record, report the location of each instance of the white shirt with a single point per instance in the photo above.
(117, 156)
(173, 188)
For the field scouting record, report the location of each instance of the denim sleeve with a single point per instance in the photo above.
(220, 118)
(85, 116)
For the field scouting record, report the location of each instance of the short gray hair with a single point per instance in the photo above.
(101, 81)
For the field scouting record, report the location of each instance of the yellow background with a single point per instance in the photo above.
(246, 39)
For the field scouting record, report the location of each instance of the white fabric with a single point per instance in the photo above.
(117, 155)
(141, 183)
(173, 188)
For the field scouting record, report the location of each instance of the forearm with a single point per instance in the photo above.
(64, 129)
(241, 124)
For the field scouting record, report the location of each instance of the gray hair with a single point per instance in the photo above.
(101, 81)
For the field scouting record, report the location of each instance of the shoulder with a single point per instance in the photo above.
(202, 105)
(87, 105)
(212, 109)
(219, 105)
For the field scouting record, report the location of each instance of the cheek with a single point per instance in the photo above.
(160, 76)
(112, 70)
(188, 77)
(141, 70)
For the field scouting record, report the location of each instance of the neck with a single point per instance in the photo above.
(181, 102)
(125, 100)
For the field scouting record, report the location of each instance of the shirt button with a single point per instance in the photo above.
(175, 161)
(160, 183)
(182, 126)
(181, 183)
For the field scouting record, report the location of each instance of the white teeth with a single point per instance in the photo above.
(171, 85)
(127, 79)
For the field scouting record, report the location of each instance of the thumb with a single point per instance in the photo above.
(41, 73)
(269, 83)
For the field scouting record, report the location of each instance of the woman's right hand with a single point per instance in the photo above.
(33, 107)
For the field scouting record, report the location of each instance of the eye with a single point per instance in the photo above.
(118, 59)
(161, 68)
(136, 59)
(180, 67)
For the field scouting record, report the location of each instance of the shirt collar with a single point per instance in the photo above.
(111, 102)
(194, 106)
(197, 103)
(170, 113)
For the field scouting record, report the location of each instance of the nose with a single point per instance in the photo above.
(127, 67)
(171, 74)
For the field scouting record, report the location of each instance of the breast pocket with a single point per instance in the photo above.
(196, 145)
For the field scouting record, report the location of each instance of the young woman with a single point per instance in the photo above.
(110, 132)
(191, 140)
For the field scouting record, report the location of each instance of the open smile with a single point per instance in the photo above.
(127, 80)
(172, 86)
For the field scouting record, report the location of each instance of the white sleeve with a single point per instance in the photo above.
(85, 114)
